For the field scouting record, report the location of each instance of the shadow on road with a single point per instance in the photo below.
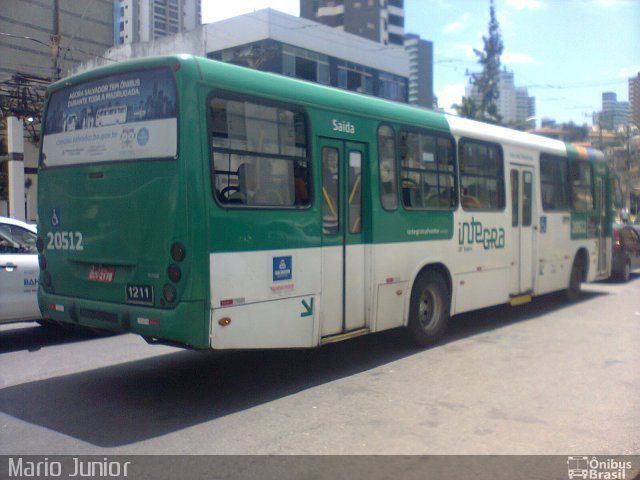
(616, 281)
(136, 401)
(33, 337)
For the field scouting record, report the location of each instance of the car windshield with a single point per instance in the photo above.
(14, 239)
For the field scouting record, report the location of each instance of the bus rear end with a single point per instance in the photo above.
(114, 231)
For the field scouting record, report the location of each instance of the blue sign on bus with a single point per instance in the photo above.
(282, 268)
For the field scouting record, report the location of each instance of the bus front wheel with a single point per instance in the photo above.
(429, 309)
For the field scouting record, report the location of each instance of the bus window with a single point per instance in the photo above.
(387, 165)
(330, 192)
(581, 185)
(554, 184)
(427, 174)
(259, 154)
(527, 198)
(515, 198)
(355, 192)
(481, 176)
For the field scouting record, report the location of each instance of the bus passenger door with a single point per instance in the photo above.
(522, 261)
(343, 257)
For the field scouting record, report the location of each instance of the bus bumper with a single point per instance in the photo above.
(186, 324)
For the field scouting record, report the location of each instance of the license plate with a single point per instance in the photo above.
(102, 274)
(141, 294)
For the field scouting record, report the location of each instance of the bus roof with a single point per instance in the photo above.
(274, 86)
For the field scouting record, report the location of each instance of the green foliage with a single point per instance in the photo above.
(468, 108)
(487, 80)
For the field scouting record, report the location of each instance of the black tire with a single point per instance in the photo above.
(573, 291)
(625, 275)
(429, 309)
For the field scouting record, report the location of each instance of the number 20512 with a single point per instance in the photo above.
(64, 241)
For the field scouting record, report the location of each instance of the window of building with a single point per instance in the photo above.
(304, 64)
(355, 78)
(387, 167)
(396, 39)
(481, 175)
(554, 185)
(427, 171)
(580, 175)
(259, 154)
(396, 20)
(392, 87)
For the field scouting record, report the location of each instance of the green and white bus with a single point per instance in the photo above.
(233, 209)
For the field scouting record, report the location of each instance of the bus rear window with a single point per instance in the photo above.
(127, 116)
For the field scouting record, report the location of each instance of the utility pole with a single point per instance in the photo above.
(55, 41)
(15, 167)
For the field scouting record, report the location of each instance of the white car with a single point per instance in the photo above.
(19, 271)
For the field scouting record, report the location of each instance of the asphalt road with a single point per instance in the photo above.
(543, 378)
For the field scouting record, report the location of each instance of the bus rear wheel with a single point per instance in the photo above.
(429, 309)
(572, 293)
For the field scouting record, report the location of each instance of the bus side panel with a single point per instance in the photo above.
(286, 323)
(556, 252)
(271, 297)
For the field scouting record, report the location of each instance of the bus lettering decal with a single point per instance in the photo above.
(473, 232)
(65, 241)
(344, 127)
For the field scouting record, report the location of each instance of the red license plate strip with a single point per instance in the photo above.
(102, 274)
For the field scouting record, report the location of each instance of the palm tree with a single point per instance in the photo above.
(467, 108)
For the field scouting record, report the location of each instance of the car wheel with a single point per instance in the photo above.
(429, 309)
(625, 276)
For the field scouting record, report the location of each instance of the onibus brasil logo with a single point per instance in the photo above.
(594, 468)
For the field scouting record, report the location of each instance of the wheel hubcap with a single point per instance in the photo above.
(428, 309)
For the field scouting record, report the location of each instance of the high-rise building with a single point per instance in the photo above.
(146, 20)
(381, 21)
(275, 42)
(420, 70)
(47, 39)
(634, 100)
(42, 41)
(378, 20)
(614, 113)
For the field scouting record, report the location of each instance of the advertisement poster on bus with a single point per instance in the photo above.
(127, 116)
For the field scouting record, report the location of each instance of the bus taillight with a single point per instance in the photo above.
(174, 273)
(178, 252)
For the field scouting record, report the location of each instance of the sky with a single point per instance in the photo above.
(565, 52)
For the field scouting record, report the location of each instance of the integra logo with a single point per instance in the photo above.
(345, 127)
(473, 232)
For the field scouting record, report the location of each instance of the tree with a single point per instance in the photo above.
(486, 82)
(468, 108)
